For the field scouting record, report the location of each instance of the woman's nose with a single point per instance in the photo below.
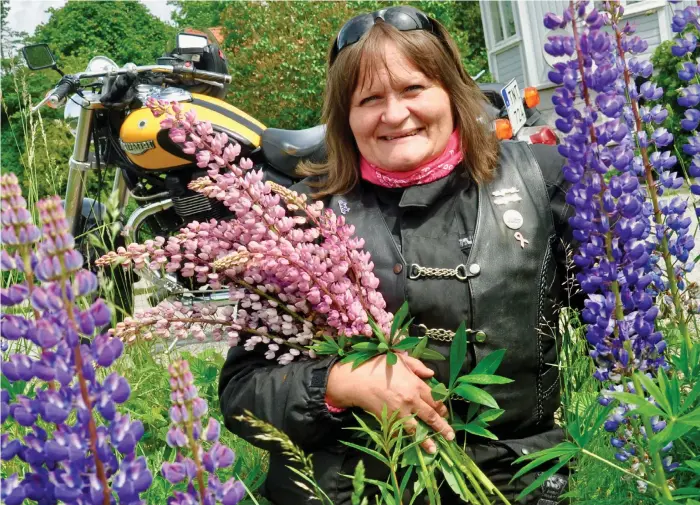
(395, 112)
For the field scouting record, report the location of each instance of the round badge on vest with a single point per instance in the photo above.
(513, 219)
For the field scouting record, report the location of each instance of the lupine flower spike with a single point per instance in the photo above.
(295, 269)
(619, 231)
(186, 433)
(76, 461)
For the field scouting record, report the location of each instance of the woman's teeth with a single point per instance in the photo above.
(402, 136)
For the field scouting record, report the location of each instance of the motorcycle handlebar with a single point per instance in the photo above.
(211, 76)
(62, 91)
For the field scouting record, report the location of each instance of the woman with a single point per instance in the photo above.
(413, 165)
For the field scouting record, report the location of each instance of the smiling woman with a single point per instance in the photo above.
(464, 229)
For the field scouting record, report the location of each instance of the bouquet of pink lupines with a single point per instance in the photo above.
(293, 268)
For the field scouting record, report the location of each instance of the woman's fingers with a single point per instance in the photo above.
(428, 444)
(417, 367)
(433, 419)
(426, 395)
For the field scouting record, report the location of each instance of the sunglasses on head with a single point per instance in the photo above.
(403, 18)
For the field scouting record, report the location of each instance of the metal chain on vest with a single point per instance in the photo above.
(417, 271)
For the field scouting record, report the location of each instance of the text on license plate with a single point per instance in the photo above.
(514, 105)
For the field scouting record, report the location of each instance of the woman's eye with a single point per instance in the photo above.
(415, 87)
(368, 99)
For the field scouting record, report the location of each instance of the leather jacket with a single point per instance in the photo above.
(499, 246)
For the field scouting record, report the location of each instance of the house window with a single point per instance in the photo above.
(502, 20)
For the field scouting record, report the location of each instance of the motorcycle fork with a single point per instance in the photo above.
(79, 166)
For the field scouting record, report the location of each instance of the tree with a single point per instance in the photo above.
(198, 15)
(123, 31)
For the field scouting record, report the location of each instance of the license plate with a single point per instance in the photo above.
(514, 105)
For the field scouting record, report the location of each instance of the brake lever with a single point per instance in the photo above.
(211, 83)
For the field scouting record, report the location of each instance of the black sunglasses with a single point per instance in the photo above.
(403, 18)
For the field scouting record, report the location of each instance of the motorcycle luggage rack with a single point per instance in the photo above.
(166, 287)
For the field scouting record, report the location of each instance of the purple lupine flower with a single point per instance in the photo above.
(76, 461)
(690, 96)
(185, 432)
(684, 45)
(619, 257)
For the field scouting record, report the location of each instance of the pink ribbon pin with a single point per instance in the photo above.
(519, 237)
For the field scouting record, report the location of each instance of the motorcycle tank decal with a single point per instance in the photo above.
(141, 129)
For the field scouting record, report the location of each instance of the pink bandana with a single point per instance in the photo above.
(429, 172)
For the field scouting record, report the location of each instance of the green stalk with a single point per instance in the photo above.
(617, 467)
(651, 186)
(659, 473)
(430, 485)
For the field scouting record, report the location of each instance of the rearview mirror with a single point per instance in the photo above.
(190, 43)
(38, 56)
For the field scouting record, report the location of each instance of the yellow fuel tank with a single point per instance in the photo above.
(150, 148)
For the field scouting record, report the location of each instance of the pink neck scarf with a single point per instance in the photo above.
(428, 172)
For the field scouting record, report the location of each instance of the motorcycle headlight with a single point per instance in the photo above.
(101, 64)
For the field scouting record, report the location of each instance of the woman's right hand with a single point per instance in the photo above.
(400, 387)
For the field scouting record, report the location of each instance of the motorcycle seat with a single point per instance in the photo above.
(284, 149)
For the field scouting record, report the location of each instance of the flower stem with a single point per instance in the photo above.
(92, 428)
(651, 186)
(194, 449)
(617, 467)
(659, 472)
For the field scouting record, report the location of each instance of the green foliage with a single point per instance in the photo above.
(124, 31)
(277, 52)
(666, 67)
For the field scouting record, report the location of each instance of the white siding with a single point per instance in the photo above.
(509, 65)
(535, 16)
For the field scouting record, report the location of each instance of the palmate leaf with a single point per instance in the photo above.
(430, 354)
(475, 395)
(692, 419)
(391, 358)
(673, 431)
(439, 392)
(365, 346)
(489, 415)
(458, 351)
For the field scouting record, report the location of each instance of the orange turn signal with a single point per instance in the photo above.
(504, 131)
(532, 97)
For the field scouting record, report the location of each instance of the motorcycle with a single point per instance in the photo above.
(153, 171)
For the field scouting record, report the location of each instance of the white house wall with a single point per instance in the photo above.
(509, 65)
(534, 13)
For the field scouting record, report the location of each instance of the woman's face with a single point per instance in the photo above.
(401, 119)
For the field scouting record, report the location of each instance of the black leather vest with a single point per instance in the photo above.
(510, 290)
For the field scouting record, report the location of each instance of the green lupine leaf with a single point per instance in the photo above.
(430, 354)
(654, 391)
(480, 431)
(365, 346)
(458, 351)
(369, 451)
(398, 319)
(418, 350)
(439, 392)
(484, 379)
(357, 358)
(391, 358)
(691, 419)
(540, 480)
(476, 395)
(694, 466)
(673, 431)
(490, 363)
(643, 406)
(692, 396)
(451, 479)
(377, 331)
(407, 343)
(490, 415)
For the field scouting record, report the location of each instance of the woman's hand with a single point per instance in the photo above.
(401, 387)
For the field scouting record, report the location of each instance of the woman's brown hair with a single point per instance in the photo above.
(438, 58)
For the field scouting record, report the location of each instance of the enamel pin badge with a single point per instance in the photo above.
(506, 196)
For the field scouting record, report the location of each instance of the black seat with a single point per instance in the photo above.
(284, 149)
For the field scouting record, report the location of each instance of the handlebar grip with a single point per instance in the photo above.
(211, 76)
(62, 91)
